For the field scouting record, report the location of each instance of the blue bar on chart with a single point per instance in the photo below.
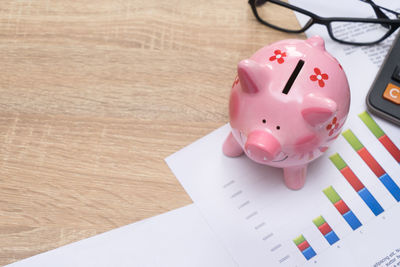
(341, 206)
(326, 230)
(357, 185)
(304, 247)
(375, 167)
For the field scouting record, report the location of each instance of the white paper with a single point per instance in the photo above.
(177, 238)
(257, 217)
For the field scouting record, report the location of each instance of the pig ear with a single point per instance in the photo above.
(318, 109)
(317, 42)
(251, 76)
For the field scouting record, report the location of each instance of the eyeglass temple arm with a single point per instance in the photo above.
(259, 2)
(378, 12)
(376, 9)
(397, 14)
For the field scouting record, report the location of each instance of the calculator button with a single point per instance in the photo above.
(396, 74)
(392, 93)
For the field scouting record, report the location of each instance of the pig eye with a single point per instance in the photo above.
(264, 121)
(278, 127)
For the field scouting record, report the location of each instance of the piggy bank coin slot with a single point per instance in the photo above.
(293, 77)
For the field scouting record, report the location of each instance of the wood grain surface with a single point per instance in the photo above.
(94, 95)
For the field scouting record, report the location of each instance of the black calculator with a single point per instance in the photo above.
(384, 96)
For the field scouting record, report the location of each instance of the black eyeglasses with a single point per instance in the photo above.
(354, 31)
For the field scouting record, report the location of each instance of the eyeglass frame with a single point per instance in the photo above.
(315, 19)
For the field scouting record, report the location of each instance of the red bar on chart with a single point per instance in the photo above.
(388, 144)
(341, 207)
(352, 178)
(371, 162)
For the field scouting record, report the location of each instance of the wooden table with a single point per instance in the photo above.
(94, 96)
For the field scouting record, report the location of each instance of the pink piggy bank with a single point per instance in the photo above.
(287, 105)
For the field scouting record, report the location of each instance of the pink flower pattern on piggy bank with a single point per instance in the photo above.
(278, 56)
(319, 77)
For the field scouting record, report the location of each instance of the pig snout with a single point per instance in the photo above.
(261, 146)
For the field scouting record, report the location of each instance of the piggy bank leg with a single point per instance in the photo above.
(295, 177)
(231, 147)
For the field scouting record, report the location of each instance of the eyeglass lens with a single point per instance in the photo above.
(286, 20)
(358, 32)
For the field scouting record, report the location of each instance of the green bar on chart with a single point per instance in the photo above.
(352, 140)
(371, 124)
(298, 240)
(331, 194)
(338, 161)
(319, 221)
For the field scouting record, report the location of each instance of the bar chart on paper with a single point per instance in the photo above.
(349, 204)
